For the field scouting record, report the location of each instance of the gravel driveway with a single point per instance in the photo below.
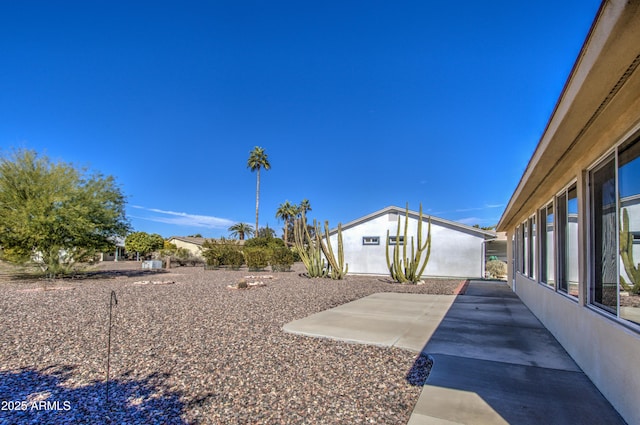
(189, 350)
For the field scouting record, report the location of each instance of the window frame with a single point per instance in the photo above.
(561, 205)
(394, 240)
(601, 162)
(375, 240)
(544, 244)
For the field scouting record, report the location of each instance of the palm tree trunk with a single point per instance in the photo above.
(257, 199)
(286, 229)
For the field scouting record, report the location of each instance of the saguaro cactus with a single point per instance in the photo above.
(337, 268)
(408, 269)
(626, 253)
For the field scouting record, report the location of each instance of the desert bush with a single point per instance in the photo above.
(257, 258)
(180, 256)
(233, 258)
(264, 242)
(281, 259)
(496, 268)
(192, 260)
(222, 252)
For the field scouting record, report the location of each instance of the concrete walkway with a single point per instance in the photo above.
(493, 361)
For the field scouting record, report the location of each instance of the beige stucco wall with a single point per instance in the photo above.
(193, 248)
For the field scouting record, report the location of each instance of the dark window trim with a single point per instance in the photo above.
(392, 240)
(376, 240)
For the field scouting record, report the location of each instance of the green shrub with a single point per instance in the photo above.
(496, 268)
(233, 258)
(281, 259)
(264, 242)
(257, 258)
(180, 256)
(222, 252)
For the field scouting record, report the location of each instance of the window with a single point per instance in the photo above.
(525, 248)
(547, 251)
(521, 249)
(614, 275)
(515, 251)
(532, 247)
(567, 237)
(604, 274)
(629, 198)
(394, 240)
(572, 241)
(371, 240)
(514, 256)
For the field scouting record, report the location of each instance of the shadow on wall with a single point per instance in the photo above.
(47, 397)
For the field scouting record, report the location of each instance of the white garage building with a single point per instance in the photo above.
(457, 250)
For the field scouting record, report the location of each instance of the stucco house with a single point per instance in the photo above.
(573, 222)
(457, 250)
(194, 244)
(117, 254)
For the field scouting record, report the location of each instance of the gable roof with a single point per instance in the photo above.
(486, 234)
(188, 239)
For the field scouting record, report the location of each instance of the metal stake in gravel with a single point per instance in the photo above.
(113, 300)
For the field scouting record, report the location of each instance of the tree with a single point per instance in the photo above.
(304, 206)
(240, 230)
(55, 215)
(143, 242)
(477, 226)
(258, 160)
(266, 232)
(286, 211)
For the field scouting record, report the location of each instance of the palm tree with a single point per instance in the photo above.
(257, 160)
(240, 230)
(286, 211)
(304, 206)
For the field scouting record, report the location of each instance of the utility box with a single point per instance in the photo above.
(152, 264)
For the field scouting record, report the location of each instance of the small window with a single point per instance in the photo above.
(394, 240)
(547, 251)
(531, 248)
(567, 241)
(371, 240)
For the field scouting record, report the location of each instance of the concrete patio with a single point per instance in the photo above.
(493, 361)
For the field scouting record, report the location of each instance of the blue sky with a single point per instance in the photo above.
(359, 105)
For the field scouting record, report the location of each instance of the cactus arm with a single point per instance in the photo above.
(427, 246)
(409, 268)
(399, 265)
(626, 254)
(386, 246)
(337, 268)
(309, 252)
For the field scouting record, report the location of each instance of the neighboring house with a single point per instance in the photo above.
(580, 183)
(457, 250)
(117, 254)
(193, 244)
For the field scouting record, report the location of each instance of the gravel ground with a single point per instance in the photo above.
(188, 350)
